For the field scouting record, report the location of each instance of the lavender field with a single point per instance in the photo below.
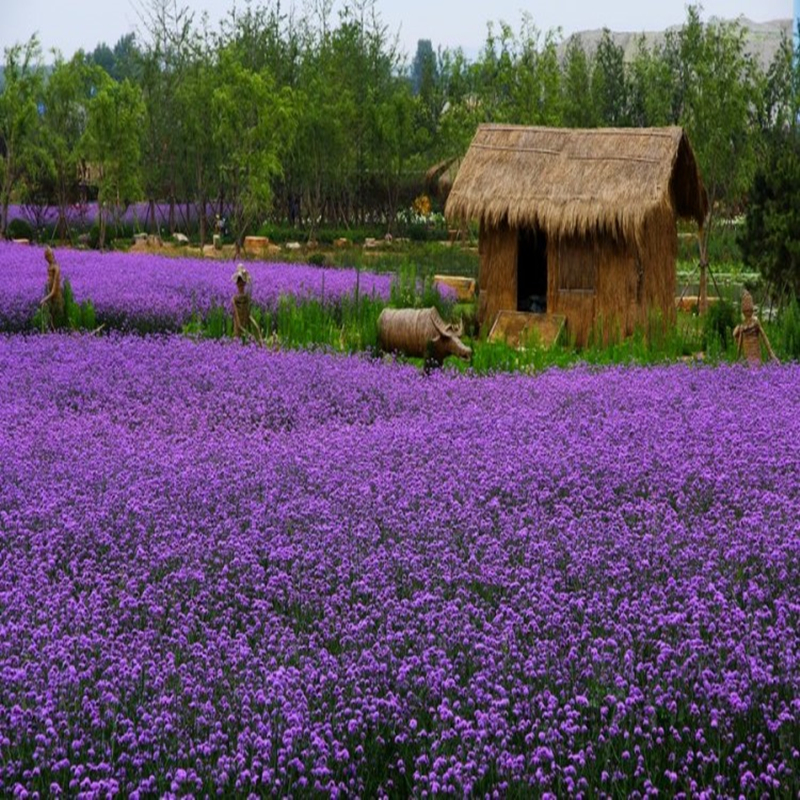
(153, 293)
(226, 570)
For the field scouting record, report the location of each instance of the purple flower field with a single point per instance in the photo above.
(226, 570)
(85, 215)
(151, 292)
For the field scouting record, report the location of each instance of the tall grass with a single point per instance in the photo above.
(76, 317)
(350, 324)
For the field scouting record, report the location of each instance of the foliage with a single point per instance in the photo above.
(338, 131)
(253, 125)
(19, 119)
(20, 229)
(718, 324)
(413, 287)
(786, 333)
(111, 141)
(609, 86)
(770, 240)
(66, 98)
(716, 103)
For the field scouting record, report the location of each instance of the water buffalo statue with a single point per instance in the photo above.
(420, 332)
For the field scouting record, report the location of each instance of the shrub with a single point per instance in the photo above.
(788, 331)
(20, 229)
(721, 319)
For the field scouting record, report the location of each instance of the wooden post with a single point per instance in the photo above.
(702, 300)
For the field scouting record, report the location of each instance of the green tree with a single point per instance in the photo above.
(770, 241)
(537, 98)
(578, 111)
(199, 154)
(461, 110)
(112, 145)
(651, 87)
(67, 94)
(778, 91)
(20, 121)
(253, 124)
(609, 90)
(719, 101)
(496, 74)
(170, 46)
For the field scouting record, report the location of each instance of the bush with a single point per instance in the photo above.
(317, 259)
(720, 320)
(20, 229)
(788, 331)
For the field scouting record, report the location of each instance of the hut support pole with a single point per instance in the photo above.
(702, 299)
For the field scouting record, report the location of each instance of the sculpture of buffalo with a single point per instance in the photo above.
(420, 332)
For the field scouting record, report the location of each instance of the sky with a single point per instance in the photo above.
(68, 25)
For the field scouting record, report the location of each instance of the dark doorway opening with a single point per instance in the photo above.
(532, 271)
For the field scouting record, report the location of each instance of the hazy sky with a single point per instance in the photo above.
(71, 24)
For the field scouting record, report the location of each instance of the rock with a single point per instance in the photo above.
(181, 238)
(341, 242)
(689, 302)
(464, 287)
(293, 246)
(255, 244)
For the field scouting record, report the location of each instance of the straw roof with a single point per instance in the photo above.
(577, 181)
(439, 178)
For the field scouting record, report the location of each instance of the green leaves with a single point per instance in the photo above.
(253, 125)
(20, 124)
(112, 143)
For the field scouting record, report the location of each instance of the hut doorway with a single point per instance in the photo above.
(532, 270)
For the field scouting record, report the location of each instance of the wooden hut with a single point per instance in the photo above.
(579, 223)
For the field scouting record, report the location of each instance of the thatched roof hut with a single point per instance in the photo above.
(439, 178)
(578, 222)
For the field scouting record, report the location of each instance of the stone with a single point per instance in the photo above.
(464, 286)
(255, 244)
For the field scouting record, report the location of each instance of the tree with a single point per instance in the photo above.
(770, 242)
(718, 106)
(67, 94)
(651, 87)
(576, 87)
(20, 122)
(168, 51)
(253, 126)
(537, 97)
(112, 144)
(199, 153)
(609, 82)
(461, 111)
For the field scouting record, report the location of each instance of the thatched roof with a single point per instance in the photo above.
(577, 180)
(439, 178)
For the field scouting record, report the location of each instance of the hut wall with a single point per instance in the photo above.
(497, 277)
(659, 253)
(595, 284)
(607, 288)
